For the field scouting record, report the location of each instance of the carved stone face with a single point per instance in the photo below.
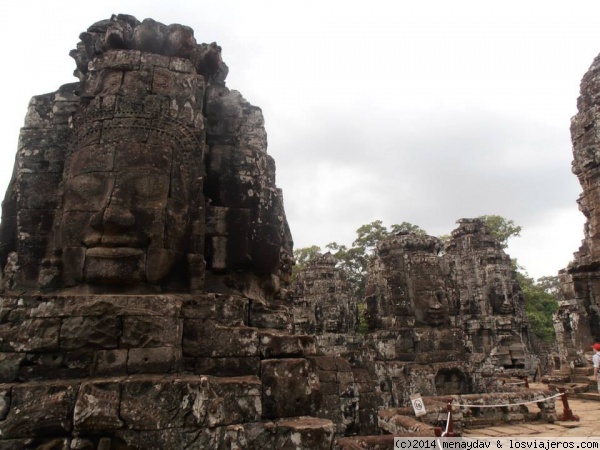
(500, 299)
(431, 308)
(125, 213)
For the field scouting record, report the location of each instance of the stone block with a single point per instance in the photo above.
(31, 335)
(207, 339)
(290, 388)
(45, 187)
(228, 310)
(151, 331)
(262, 315)
(154, 360)
(117, 59)
(39, 410)
(304, 432)
(275, 344)
(153, 403)
(237, 400)
(111, 362)
(228, 366)
(328, 388)
(89, 332)
(61, 365)
(102, 305)
(138, 82)
(9, 366)
(97, 407)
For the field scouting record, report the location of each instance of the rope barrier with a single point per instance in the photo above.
(511, 404)
(567, 413)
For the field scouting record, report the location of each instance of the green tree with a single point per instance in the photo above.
(502, 229)
(541, 303)
(354, 260)
(302, 255)
(406, 227)
(550, 284)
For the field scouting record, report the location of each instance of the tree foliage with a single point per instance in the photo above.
(303, 255)
(354, 260)
(503, 229)
(541, 302)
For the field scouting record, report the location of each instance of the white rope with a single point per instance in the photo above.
(514, 384)
(445, 431)
(511, 404)
(447, 425)
(492, 406)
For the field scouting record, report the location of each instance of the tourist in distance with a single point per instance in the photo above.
(596, 363)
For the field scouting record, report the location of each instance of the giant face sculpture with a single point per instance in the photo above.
(431, 308)
(125, 216)
(500, 298)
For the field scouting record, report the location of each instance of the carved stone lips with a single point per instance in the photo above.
(505, 308)
(435, 315)
(113, 252)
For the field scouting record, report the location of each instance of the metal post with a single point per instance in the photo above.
(567, 412)
(526, 382)
(450, 432)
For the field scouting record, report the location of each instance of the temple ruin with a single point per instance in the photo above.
(443, 319)
(577, 322)
(144, 244)
(147, 293)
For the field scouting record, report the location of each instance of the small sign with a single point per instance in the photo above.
(418, 405)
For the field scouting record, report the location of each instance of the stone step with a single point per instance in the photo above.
(581, 379)
(588, 396)
(393, 422)
(303, 432)
(165, 411)
(139, 402)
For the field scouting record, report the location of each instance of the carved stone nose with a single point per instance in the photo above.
(113, 217)
(435, 304)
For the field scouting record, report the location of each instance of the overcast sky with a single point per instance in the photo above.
(417, 111)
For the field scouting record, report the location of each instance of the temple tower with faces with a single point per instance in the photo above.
(145, 252)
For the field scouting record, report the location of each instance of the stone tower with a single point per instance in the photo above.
(413, 340)
(143, 249)
(489, 300)
(325, 307)
(577, 321)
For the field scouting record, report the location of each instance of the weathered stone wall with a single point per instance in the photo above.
(488, 299)
(412, 336)
(325, 307)
(439, 322)
(577, 321)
